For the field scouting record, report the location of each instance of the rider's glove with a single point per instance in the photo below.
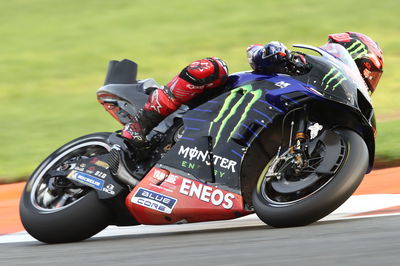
(269, 58)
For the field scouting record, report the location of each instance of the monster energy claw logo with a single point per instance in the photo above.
(229, 111)
(357, 50)
(333, 78)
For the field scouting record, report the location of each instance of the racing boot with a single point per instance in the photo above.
(140, 126)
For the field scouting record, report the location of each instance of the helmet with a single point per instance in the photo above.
(366, 54)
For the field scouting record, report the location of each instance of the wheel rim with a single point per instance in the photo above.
(44, 197)
(309, 182)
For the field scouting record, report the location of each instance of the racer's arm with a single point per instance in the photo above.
(274, 57)
(269, 58)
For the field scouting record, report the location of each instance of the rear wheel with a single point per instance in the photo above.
(54, 209)
(286, 196)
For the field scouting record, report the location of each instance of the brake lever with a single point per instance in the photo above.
(297, 66)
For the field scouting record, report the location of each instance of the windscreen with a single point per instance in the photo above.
(338, 52)
(334, 74)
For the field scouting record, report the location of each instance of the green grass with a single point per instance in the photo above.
(54, 54)
(387, 141)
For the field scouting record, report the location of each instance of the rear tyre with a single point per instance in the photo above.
(284, 207)
(53, 209)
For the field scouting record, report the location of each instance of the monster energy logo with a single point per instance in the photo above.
(229, 111)
(357, 50)
(333, 78)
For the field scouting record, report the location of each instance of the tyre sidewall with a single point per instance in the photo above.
(78, 221)
(328, 198)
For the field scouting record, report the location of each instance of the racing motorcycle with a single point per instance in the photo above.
(290, 148)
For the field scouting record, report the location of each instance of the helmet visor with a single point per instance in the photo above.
(373, 79)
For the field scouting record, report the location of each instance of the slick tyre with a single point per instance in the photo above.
(54, 213)
(324, 199)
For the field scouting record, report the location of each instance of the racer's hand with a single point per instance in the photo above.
(269, 58)
(297, 64)
(275, 52)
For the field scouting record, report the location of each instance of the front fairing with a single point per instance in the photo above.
(334, 76)
(219, 134)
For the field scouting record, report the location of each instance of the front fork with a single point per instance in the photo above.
(298, 133)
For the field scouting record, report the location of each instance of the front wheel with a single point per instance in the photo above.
(55, 210)
(284, 197)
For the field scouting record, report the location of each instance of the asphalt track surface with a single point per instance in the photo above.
(365, 241)
(363, 231)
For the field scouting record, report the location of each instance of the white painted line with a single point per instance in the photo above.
(354, 205)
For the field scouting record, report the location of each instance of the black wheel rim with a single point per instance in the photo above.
(292, 188)
(50, 192)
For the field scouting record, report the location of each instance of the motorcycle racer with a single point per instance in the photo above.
(212, 72)
(289, 147)
(365, 52)
(193, 80)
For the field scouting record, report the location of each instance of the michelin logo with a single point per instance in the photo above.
(86, 179)
(154, 200)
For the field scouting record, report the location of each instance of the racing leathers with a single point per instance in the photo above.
(192, 81)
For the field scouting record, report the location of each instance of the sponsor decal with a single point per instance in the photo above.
(86, 179)
(100, 163)
(203, 156)
(155, 102)
(154, 200)
(200, 65)
(90, 170)
(109, 189)
(314, 91)
(333, 78)
(194, 87)
(190, 165)
(100, 174)
(165, 176)
(357, 50)
(163, 179)
(171, 179)
(206, 193)
(314, 129)
(230, 107)
(160, 175)
(282, 84)
(77, 168)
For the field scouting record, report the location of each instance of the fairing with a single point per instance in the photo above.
(220, 137)
(226, 126)
(165, 197)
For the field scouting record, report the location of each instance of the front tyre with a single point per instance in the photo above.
(55, 210)
(299, 199)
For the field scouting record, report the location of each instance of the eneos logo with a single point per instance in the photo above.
(207, 193)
